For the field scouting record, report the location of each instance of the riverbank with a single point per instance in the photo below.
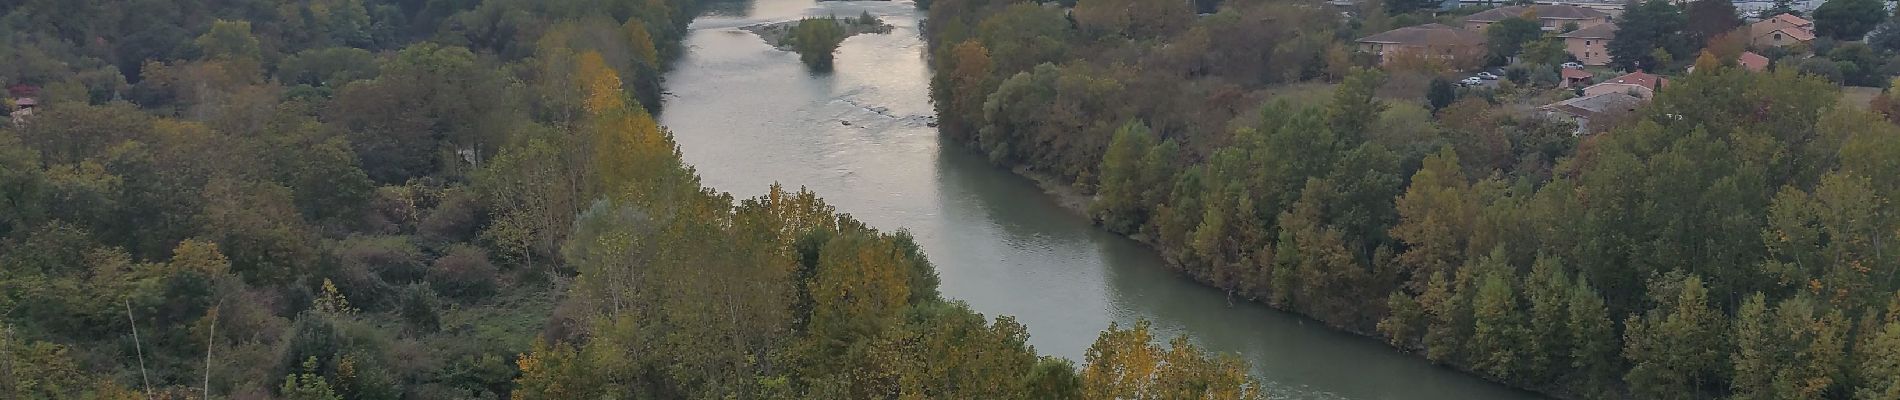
(1065, 195)
(1073, 199)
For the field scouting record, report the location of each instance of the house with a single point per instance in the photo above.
(1613, 7)
(1639, 84)
(1576, 77)
(1781, 30)
(1429, 41)
(1752, 62)
(1552, 17)
(24, 101)
(1791, 19)
(1590, 46)
(1599, 107)
(1747, 61)
(23, 107)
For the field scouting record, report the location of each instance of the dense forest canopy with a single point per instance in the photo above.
(424, 199)
(1727, 239)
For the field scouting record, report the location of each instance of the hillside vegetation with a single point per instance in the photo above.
(371, 199)
(1728, 239)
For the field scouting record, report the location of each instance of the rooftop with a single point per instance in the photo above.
(1599, 31)
(1588, 106)
(1752, 62)
(1638, 78)
(1427, 34)
(1791, 28)
(1791, 19)
(1542, 11)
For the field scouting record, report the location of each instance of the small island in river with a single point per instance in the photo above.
(780, 34)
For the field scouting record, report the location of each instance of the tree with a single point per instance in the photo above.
(1506, 38)
(1707, 19)
(1756, 351)
(1436, 214)
(816, 40)
(1441, 93)
(1592, 339)
(1879, 370)
(1548, 351)
(1547, 51)
(1498, 334)
(1125, 364)
(1886, 36)
(1848, 20)
(229, 40)
(1645, 29)
(1677, 347)
(1119, 205)
(309, 385)
(1777, 8)
(1133, 19)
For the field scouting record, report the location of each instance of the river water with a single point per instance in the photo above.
(747, 115)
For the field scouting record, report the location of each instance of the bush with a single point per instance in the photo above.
(394, 259)
(464, 273)
(452, 220)
(419, 310)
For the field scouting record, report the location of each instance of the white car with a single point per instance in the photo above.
(1486, 76)
(1472, 81)
(1573, 65)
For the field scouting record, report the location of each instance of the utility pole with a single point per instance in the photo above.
(138, 347)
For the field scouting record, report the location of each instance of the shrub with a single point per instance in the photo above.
(464, 273)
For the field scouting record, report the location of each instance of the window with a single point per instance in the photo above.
(1777, 36)
(1586, 43)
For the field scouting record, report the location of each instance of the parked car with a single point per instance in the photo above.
(1573, 65)
(1472, 81)
(1487, 76)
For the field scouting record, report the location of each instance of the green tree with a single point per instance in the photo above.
(1440, 93)
(1498, 335)
(816, 40)
(1879, 368)
(1593, 341)
(1506, 38)
(1678, 347)
(1848, 20)
(1547, 290)
(309, 385)
(1757, 349)
(1777, 8)
(1119, 206)
(230, 40)
(1642, 30)
(1706, 19)
(1547, 51)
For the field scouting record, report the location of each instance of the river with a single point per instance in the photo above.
(747, 115)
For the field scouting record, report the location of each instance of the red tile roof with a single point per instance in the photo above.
(1792, 29)
(1572, 73)
(1640, 78)
(1752, 62)
(1792, 20)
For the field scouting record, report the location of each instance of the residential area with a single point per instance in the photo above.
(1590, 61)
